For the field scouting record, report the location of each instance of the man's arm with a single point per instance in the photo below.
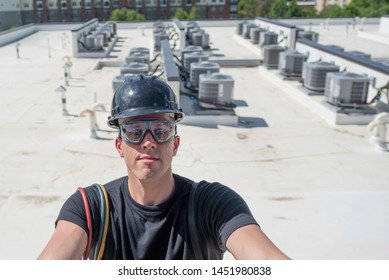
(250, 242)
(68, 242)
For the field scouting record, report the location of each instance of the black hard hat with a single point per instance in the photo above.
(143, 95)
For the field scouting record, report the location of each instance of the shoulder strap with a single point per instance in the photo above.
(193, 233)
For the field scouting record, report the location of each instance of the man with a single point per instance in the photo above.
(150, 210)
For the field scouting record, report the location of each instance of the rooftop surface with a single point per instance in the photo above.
(318, 190)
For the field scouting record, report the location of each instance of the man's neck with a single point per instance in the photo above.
(151, 192)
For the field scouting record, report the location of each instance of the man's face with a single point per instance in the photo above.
(149, 160)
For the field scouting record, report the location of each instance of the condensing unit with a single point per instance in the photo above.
(138, 57)
(194, 57)
(139, 50)
(118, 80)
(346, 88)
(310, 35)
(134, 68)
(314, 74)
(158, 36)
(360, 54)
(255, 34)
(290, 63)
(271, 55)
(203, 67)
(189, 49)
(215, 90)
(268, 38)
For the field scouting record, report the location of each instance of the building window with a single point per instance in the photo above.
(39, 5)
(106, 3)
(87, 4)
(26, 5)
(64, 4)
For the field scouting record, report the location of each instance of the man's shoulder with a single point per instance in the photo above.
(116, 183)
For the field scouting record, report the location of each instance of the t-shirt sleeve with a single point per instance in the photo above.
(222, 211)
(73, 211)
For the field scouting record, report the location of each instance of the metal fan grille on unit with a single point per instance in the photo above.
(291, 63)
(314, 74)
(134, 68)
(216, 88)
(204, 67)
(346, 88)
(271, 55)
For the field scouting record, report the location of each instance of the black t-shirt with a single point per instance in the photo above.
(161, 232)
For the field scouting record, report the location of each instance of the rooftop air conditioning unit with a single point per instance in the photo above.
(204, 67)
(360, 54)
(189, 26)
(158, 37)
(290, 63)
(310, 35)
(271, 55)
(246, 29)
(255, 34)
(118, 80)
(200, 39)
(197, 38)
(99, 42)
(268, 38)
(134, 68)
(158, 25)
(239, 27)
(138, 57)
(90, 42)
(215, 90)
(194, 57)
(336, 47)
(139, 50)
(205, 43)
(314, 74)
(189, 49)
(346, 88)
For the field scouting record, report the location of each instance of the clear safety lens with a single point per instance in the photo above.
(134, 131)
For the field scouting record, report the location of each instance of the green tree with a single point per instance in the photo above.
(284, 9)
(181, 14)
(308, 12)
(125, 15)
(249, 9)
(193, 13)
(118, 15)
(132, 15)
(368, 8)
(333, 11)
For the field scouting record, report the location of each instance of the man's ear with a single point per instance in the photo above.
(118, 145)
(176, 144)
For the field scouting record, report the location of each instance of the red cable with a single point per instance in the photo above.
(88, 221)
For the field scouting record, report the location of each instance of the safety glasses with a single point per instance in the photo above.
(134, 131)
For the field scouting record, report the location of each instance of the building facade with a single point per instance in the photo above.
(321, 4)
(21, 12)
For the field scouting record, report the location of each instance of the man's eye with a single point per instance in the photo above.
(135, 132)
(160, 131)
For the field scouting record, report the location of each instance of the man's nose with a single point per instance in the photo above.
(148, 141)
